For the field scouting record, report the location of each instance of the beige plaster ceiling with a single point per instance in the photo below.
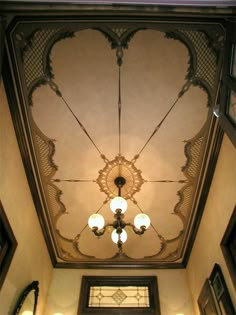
(91, 117)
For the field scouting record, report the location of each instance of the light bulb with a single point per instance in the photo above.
(118, 203)
(142, 219)
(96, 220)
(27, 313)
(115, 236)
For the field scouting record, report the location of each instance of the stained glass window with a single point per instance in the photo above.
(122, 296)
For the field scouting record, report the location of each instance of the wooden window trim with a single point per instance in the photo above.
(9, 245)
(226, 246)
(149, 281)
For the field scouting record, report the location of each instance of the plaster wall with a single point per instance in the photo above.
(174, 293)
(218, 210)
(31, 260)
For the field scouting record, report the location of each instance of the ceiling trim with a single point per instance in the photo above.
(10, 9)
(221, 3)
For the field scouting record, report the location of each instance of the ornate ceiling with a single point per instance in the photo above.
(97, 99)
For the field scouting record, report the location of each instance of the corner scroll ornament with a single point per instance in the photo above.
(203, 52)
(119, 38)
(35, 51)
(176, 35)
(216, 39)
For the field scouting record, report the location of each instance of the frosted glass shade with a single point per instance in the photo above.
(118, 203)
(115, 236)
(96, 220)
(142, 219)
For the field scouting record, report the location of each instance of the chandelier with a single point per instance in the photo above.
(118, 206)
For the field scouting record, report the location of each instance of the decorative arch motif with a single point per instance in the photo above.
(34, 48)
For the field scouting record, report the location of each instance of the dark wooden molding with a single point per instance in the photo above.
(8, 245)
(103, 11)
(2, 36)
(12, 99)
(221, 292)
(228, 246)
(228, 83)
(206, 300)
(32, 287)
(214, 297)
(216, 145)
(119, 265)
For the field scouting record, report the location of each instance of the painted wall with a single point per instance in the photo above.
(174, 293)
(31, 260)
(219, 207)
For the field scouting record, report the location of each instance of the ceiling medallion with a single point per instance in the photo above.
(120, 167)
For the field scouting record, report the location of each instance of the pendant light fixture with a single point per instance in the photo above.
(118, 206)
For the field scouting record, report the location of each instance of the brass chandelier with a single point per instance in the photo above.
(118, 206)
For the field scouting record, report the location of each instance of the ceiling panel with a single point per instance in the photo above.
(102, 99)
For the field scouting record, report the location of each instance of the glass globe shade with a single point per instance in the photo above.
(115, 236)
(96, 220)
(142, 219)
(118, 203)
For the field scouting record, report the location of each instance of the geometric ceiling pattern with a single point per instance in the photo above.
(102, 99)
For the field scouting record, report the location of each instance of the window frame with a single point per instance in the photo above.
(220, 291)
(206, 300)
(89, 281)
(8, 245)
(227, 245)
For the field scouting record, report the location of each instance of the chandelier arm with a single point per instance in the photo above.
(98, 232)
(119, 244)
(138, 231)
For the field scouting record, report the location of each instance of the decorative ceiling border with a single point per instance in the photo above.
(118, 44)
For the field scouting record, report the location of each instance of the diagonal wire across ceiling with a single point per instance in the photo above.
(103, 100)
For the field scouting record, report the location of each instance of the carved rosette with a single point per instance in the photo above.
(120, 167)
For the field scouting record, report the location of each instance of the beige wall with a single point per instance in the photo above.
(31, 260)
(219, 207)
(173, 290)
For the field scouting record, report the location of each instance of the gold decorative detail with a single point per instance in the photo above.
(45, 150)
(119, 31)
(119, 296)
(120, 167)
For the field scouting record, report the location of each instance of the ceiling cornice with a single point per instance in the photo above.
(122, 7)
